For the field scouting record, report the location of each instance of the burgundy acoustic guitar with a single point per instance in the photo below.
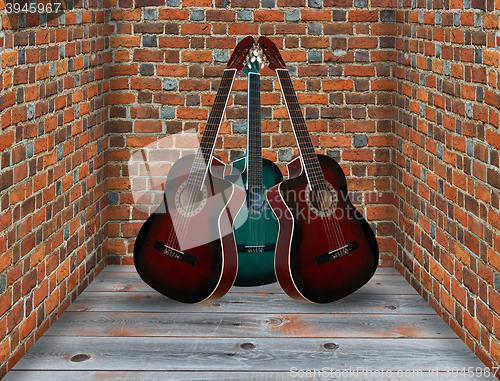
(186, 249)
(326, 249)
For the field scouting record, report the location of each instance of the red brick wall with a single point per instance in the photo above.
(447, 164)
(169, 60)
(404, 94)
(53, 104)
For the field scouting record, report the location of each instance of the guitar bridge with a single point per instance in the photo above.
(174, 253)
(336, 254)
(255, 248)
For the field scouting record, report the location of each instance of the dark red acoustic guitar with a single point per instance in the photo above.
(325, 249)
(186, 249)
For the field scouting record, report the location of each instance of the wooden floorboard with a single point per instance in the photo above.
(170, 324)
(250, 303)
(361, 375)
(244, 353)
(120, 329)
(131, 282)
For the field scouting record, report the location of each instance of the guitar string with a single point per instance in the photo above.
(211, 136)
(294, 114)
(331, 227)
(194, 191)
(315, 191)
(182, 222)
(250, 171)
(320, 191)
(193, 188)
(255, 139)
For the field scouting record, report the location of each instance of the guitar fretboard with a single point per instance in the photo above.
(304, 142)
(203, 156)
(254, 139)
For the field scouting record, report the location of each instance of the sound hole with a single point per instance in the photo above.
(322, 200)
(256, 199)
(190, 200)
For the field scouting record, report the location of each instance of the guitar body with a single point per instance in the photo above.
(306, 239)
(256, 233)
(209, 265)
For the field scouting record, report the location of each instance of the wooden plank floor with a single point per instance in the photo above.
(120, 329)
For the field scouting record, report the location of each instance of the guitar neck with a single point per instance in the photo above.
(307, 153)
(203, 156)
(254, 138)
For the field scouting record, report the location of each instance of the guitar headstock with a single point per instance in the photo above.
(240, 53)
(255, 60)
(272, 53)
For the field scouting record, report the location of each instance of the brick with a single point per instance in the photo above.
(148, 55)
(124, 70)
(492, 99)
(126, 15)
(291, 3)
(147, 126)
(6, 179)
(4, 351)
(380, 212)
(358, 155)
(149, 3)
(313, 15)
(479, 4)
(9, 59)
(193, 85)
(196, 28)
(360, 71)
(490, 58)
(384, 85)
(314, 42)
(145, 83)
(363, 42)
(197, 56)
(173, 14)
(268, 15)
(312, 70)
(493, 178)
(490, 21)
(243, 29)
(121, 98)
(196, 3)
(220, 15)
(337, 85)
(493, 138)
(122, 41)
(6, 140)
(362, 16)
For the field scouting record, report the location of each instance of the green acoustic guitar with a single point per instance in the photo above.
(256, 227)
